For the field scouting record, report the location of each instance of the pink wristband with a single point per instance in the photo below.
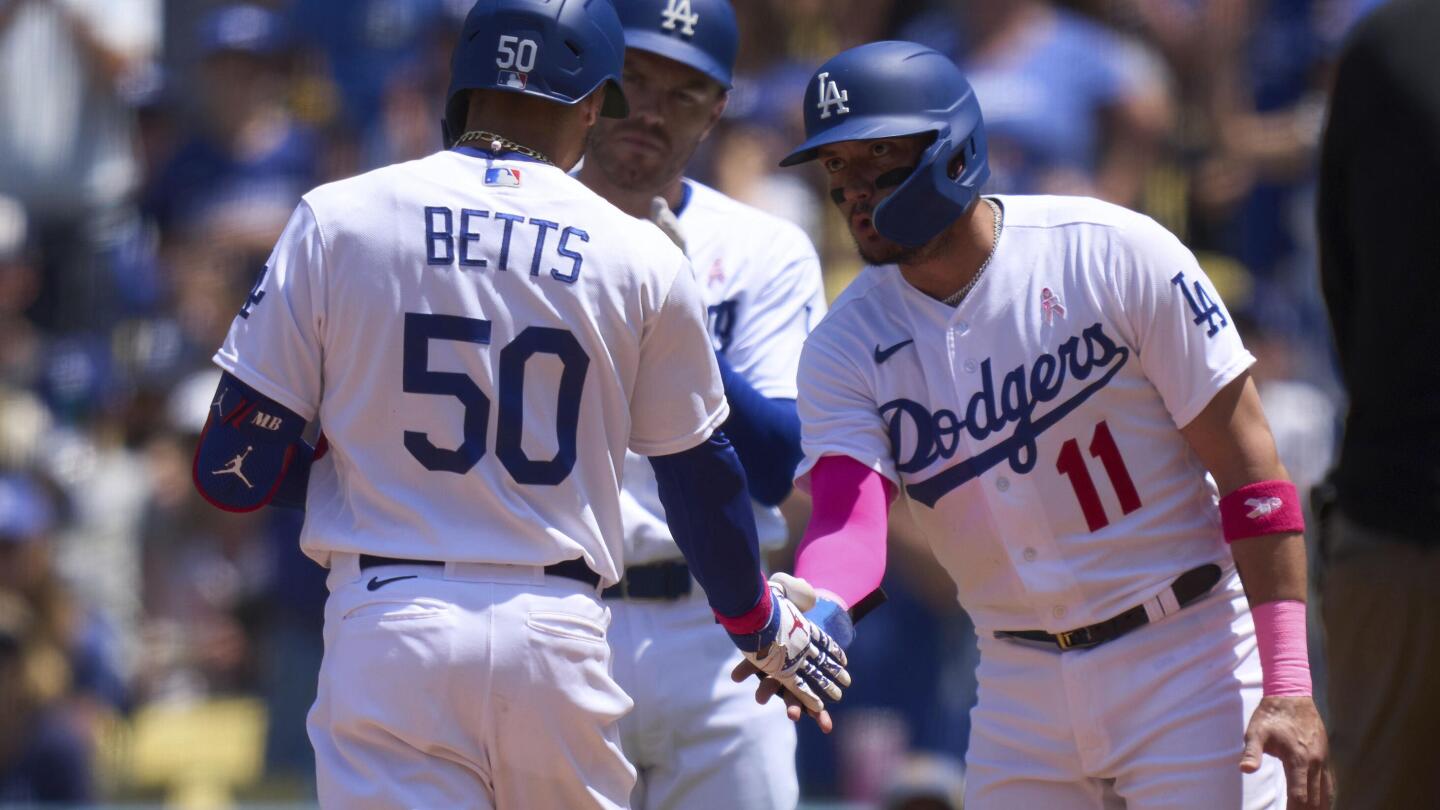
(1284, 653)
(1264, 507)
(752, 620)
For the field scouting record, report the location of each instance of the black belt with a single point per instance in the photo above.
(662, 580)
(1188, 587)
(570, 569)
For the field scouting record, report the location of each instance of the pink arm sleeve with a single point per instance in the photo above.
(843, 551)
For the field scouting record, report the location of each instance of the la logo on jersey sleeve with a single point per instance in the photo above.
(1205, 309)
(831, 96)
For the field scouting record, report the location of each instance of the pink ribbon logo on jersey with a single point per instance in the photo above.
(1050, 305)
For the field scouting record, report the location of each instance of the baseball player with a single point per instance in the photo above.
(1047, 381)
(711, 746)
(482, 338)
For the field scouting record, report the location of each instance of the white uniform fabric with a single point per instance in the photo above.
(763, 291)
(1033, 429)
(696, 738)
(1154, 719)
(362, 258)
(714, 746)
(469, 686)
(481, 341)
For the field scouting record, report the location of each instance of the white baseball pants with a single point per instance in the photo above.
(1154, 719)
(698, 739)
(467, 686)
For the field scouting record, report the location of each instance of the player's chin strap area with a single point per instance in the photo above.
(250, 452)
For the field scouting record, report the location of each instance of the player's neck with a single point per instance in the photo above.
(553, 130)
(635, 202)
(950, 261)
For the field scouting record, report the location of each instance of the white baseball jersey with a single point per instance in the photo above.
(1034, 427)
(761, 282)
(481, 341)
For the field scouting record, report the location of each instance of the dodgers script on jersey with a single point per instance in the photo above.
(761, 282)
(468, 331)
(1033, 428)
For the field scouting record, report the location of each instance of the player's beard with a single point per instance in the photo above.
(887, 252)
(881, 251)
(650, 174)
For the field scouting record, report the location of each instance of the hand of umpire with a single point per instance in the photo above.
(1290, 729)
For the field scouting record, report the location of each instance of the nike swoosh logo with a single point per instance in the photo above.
(377, 583)
(881, 355)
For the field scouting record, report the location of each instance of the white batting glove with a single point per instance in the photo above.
(794, 651)
(665, 220)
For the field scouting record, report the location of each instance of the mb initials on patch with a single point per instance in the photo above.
(502, 176)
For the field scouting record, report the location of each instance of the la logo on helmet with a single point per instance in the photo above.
(679, 11)
(831, 96)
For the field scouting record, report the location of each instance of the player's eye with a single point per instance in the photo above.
(834, 164)
(689, 98)
(880, 149)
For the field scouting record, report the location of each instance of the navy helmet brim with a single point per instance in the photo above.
(670, 47)
(861, 128)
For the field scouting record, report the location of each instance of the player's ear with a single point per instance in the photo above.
(590, 107)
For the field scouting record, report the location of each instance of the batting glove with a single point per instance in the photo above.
(796, 652)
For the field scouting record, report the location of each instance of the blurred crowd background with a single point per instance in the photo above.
(155, 649)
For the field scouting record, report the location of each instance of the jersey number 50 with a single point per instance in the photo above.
(421, 328)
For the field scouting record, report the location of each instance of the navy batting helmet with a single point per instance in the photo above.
(562, 50)
(892, 89)
(700, 33)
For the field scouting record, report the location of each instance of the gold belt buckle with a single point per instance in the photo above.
(1065, 640)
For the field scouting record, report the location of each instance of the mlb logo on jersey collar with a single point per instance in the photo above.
(502, 176)
(1050, 306)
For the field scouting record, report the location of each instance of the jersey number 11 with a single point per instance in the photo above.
(1072, 465)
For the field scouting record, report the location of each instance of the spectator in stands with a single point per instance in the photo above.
(363, 44)
(67, 142)
(43, 756)
(1071, 107)
(232, 184)
(29, 517)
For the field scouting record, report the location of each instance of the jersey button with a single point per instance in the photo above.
(970, 366)
(1002, 483)
(1058, 611)
(1030, 554)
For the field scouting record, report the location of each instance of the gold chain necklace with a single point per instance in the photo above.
(954, 300)
(500, 143)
